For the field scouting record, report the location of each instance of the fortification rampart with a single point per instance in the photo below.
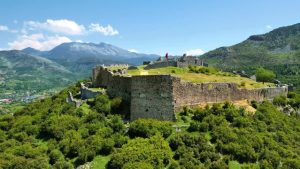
(151, 97)
(87, 93)
(161, 64)
(159, 96)
(192, 94)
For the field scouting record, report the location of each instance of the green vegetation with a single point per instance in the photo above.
(51, 133)
(278, 51)
(24, 74)
(200, 74)
(100, 162)
(263, 75)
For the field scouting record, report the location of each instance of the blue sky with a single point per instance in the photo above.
(152, 26)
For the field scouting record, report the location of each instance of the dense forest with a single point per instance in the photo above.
(51, 133)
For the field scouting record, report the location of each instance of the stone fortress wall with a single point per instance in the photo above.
(183, 61)
(159, 96)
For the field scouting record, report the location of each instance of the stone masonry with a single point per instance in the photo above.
(160, 96)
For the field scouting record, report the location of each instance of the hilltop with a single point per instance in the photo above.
(51, 133)
(278, 50)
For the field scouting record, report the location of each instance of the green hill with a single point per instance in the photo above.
(51, 133)
(278, 50)
(21, 73)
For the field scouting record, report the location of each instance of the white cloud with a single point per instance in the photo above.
(6, 29)
(133, 50)
(195, 52)
(105, 30)
(269, 27)
(57, 26)
(3, 28)
(38, 41)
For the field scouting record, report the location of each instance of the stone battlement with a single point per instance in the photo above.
(159, 96)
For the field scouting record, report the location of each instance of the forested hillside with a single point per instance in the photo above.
(278, 50)
(51, 133)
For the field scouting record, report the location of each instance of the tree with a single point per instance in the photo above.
(102, 104)
(149, 127)
(154, 151)
(263, 75)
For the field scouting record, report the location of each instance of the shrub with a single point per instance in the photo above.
(280, 101)
(149, 127)
(102, 104)
(154, 151)
(263, 75)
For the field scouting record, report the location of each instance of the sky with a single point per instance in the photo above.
(143, 26)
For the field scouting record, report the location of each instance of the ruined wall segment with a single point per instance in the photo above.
(270, 93)
(119, 86)
(161, 64)
(87, 93)
(101, 77)
(152, 97)
(192, 94)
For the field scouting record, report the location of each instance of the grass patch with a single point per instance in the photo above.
(97, 89)
(208, 136)
(217, 77)
(100, 162)
(234, 165)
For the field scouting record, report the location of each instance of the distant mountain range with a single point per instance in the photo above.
(37, 71)
(278, 50)
(82, 57)
(21, 73)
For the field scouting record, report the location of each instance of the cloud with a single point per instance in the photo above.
(105, 30)
(3, 28)
(269, 27)
(6, 29)
(57, 26)
(38, 41)
(133, 50)
(195, 52)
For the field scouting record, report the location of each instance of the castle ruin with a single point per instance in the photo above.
(183, 61)
(160, 96)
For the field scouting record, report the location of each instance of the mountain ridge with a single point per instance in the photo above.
(277, 50)
(22, 73)
(82, 57)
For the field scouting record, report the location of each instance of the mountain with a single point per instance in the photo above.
(34, 52)
(278, 50)
(82, 57)
(21, 73)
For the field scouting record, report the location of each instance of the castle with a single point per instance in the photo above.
(160, 96)
(183, 61)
